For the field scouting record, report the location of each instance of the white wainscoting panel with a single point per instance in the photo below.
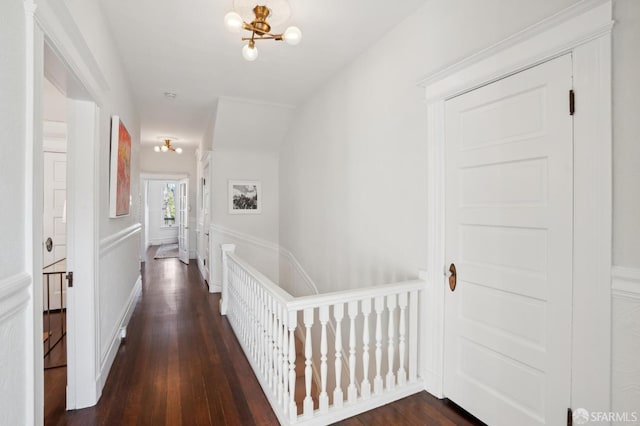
(626, 341)
(116, 338)
(118, 288)
(14, 321)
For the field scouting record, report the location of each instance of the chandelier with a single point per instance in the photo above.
(260, 29)
(167, 146)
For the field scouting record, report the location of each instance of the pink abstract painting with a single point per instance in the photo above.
(120, 179)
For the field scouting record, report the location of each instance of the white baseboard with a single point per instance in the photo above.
(160, 241)
(433, 384)
(125, 316)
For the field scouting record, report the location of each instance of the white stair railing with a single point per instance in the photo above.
(264, 318)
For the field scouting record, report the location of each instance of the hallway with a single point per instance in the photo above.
(182, 365)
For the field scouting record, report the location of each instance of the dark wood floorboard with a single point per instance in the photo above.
(182, 365)
(56, 344)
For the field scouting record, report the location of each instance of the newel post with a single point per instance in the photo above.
(226, 250)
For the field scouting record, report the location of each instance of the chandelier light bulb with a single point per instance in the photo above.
(292, 36)
(233, 22)
(178, 150)
(250, 53)
(156, 148)
(164, 148)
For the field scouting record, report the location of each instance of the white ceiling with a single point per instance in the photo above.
(183, 47)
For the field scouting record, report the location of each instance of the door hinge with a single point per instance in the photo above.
(70, 279)
(569, 417)
(572, 102)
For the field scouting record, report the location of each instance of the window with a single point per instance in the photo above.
(169, 204)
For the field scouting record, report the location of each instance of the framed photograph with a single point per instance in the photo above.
(119, 170)
(245, 197)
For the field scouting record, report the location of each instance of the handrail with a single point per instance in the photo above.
(344, 296)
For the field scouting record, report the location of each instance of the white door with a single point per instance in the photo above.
(509, 208)
(183, 220)
(54, 232)
(205, 222)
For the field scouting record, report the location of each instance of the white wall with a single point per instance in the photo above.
(249, 125)
(172, 163)
(626, 131)
(54, 103)
(626, 207)
(159, 234)
(16, 333)
(263, 228)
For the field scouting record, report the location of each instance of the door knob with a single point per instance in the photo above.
(49, 244)
(453, 278)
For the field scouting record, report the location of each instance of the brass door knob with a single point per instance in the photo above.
(453, 278)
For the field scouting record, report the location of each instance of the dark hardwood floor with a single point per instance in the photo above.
(182, 365)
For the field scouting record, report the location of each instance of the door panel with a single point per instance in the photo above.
(54, 223)
(509, 195)
(183, 227)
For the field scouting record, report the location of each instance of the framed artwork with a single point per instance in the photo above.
(119, 170)
(245, 197)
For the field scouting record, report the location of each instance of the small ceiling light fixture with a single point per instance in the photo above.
(170, 95)
(167, 146)
(260, 30)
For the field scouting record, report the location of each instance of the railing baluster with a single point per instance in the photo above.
(279, 354)
(263, 332)
(285, 357)
(324, 397)
(274, 347)
(413, 336)
(308, 372)
(402, 330)
(254, 320)
(271, 372)
(338, 313)
(365, 387)
(293, 322)
(377, 381)
(391, 305)
(352, 390)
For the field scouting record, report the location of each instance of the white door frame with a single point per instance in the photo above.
(145, 177)
(584, 31)
(85, 86)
